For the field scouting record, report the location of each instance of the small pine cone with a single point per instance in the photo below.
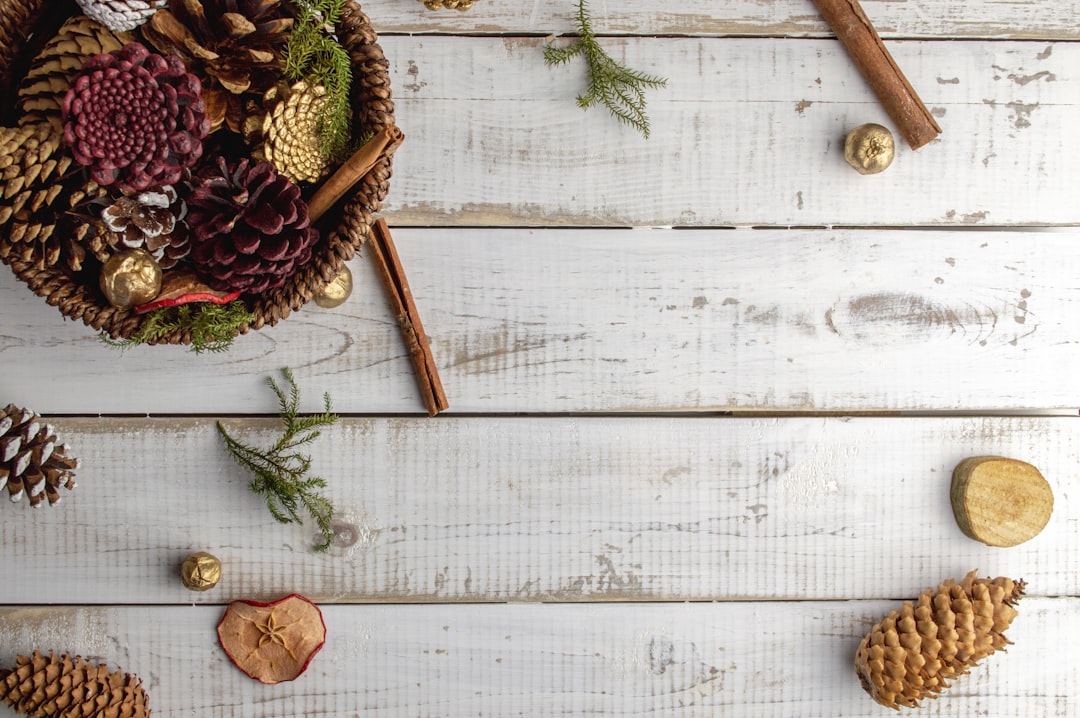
(290, 131)
(914, 651)
(136, 119)
(46, 686)
(41, 94)
(237, 45)
(448, 4)
(150, 220)
(39, 196)
(248, 227)
(121, 15)
(30, 461)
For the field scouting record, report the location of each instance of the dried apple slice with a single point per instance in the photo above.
(272, 642)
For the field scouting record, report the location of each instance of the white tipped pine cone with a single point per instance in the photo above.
(290, 131)
(121, 15)
(45, 686)
(913, 652)
(31, 462)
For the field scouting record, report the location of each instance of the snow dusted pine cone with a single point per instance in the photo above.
(31, 463)
(121, 15)
(150, 220)
(248, 227)
(136, 119)
(912, 653)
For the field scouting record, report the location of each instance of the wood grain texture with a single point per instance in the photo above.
(545, 509)
(758, 660)
(626, 321)
(746, 133)
(1020, 19)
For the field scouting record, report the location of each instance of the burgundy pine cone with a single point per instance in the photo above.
(249, 226)
(136, 119)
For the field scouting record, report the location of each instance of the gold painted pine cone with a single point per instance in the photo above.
(50, 685)
(913, 652)
(290, 131)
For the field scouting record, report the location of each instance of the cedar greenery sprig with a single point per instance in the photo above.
(615, 86)
(313, 54)
(281, 472)
(212, 327)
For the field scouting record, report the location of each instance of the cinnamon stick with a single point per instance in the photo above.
(388, 264)
(352, 170)
(864, 45)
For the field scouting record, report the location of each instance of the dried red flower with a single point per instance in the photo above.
(136, 119)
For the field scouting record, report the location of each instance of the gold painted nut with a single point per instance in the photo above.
(337, 291)
(130, 278)
(200, 571)
(869, 148)
(1000, 501)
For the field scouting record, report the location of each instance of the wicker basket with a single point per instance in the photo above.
(25, 25)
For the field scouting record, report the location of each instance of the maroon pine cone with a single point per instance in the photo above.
(249, 226)
(136, 119)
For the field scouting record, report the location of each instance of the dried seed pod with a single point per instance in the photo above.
(869, 148)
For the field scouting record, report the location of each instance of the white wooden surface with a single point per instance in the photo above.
(587, 532)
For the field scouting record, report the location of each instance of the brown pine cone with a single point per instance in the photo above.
(150, 220)
(31, 463)
(238, 44)
(46, 686)
(41, 192)
(41, 95)
(136, 119)
(913, 652)
(248, 227)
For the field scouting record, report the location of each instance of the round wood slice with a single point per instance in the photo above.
(1000, 501)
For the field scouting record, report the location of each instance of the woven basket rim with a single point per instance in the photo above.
(345, 228)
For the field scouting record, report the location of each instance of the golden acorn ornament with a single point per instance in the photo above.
(915, 651)
(130, 278)
(50, 685)
(337, 290)
(200, 571)
(869, 148)
(32, 463)
(289, 134)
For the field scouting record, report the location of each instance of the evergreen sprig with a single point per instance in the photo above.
(212, 327)
(611, 84)
(281, 472)
(313, 54)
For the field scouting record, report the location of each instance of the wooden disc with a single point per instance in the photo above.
(1000, 501)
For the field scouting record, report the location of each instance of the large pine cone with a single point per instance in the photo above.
(248, 226)
(237, 43)
(30, 461)
(912, 653)
(41, 94)
(41, 196)
(63, 686)
(136, 119)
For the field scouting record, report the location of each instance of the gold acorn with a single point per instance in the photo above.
(913, 652)
(289, 132)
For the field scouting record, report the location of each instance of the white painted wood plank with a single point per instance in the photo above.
(1034, 19)
(747, 132)
(625, 320)
(555, 509)
(758, 660)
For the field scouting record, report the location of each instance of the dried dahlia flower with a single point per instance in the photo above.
(136, 119)
(249, 226)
